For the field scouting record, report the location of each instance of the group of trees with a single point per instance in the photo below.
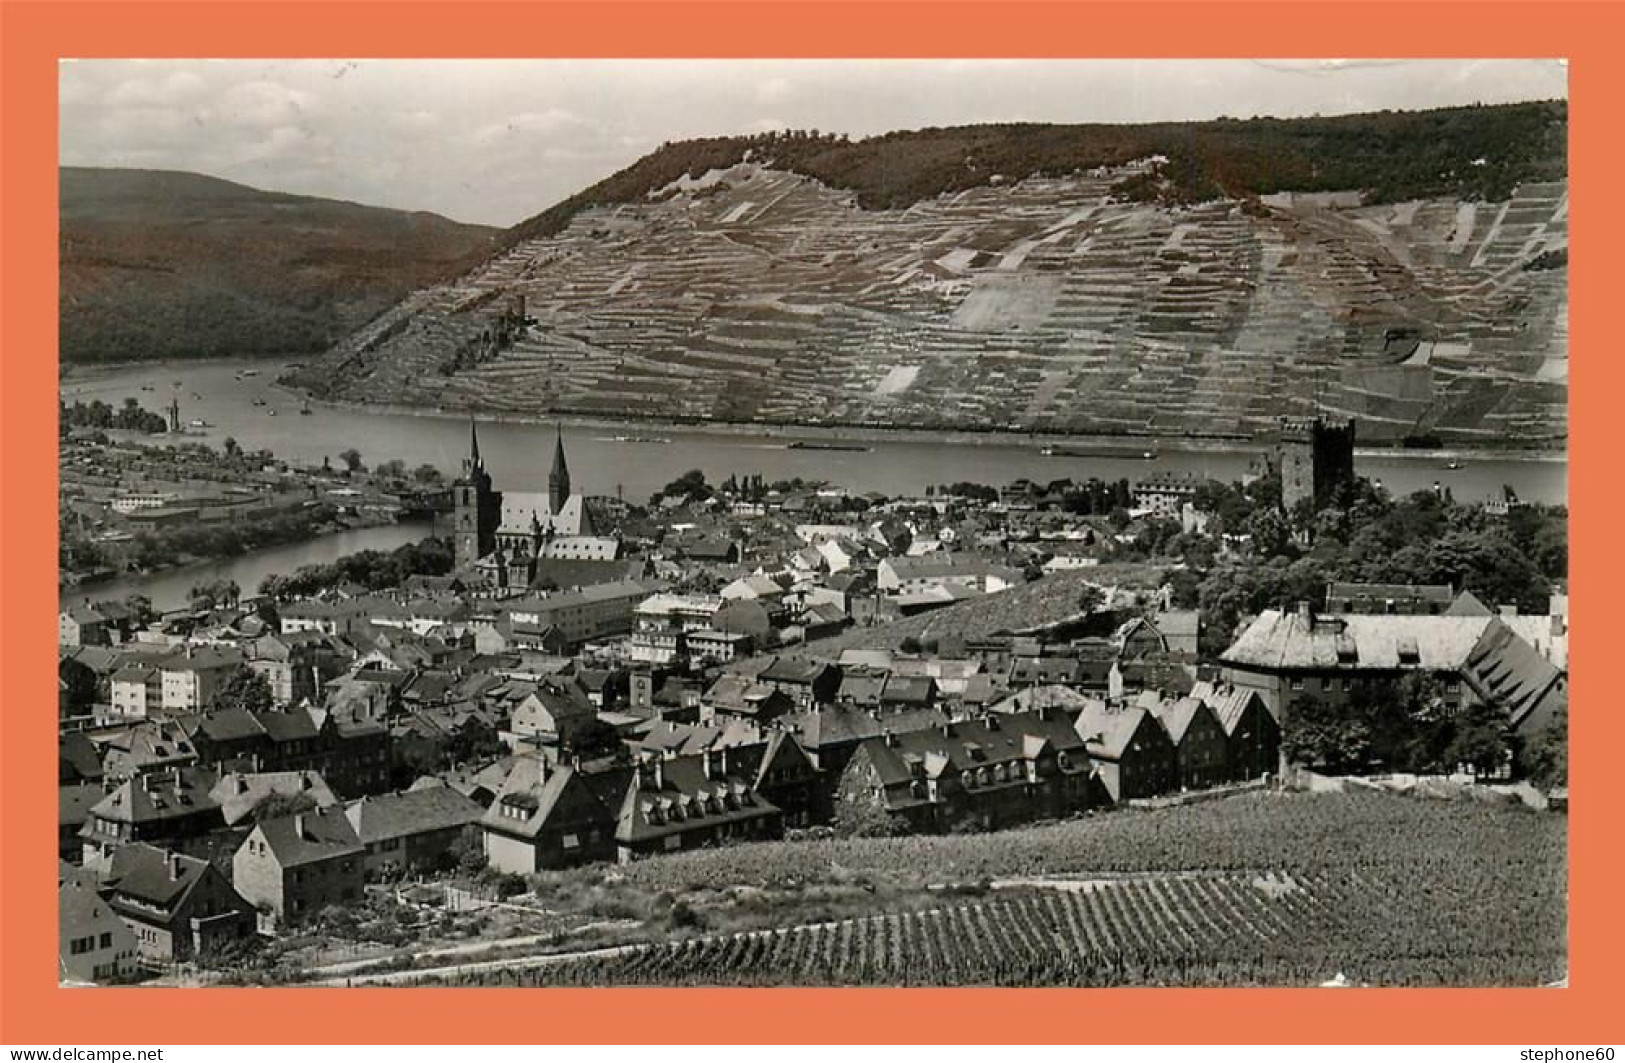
(98, 414)
(163, 547)
(1401, 726)
(373, 569)
(1466, 152)
(215, 594)
(1424, 537)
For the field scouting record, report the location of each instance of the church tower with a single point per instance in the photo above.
(558, 481)
(478, 509)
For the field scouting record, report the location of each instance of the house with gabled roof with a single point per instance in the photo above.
(171, 808)
(1285, 655)
(553, 713)
(993, 772)
(291, 867)
(1201, 747)
(686, 803)
(93, 943)
(546, 815)
(414, 831)
(179, 907)
(1130, 749)
(1504, 669)
(1252, 731)
(807, 682)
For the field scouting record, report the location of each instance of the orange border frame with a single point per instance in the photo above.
(37, 32)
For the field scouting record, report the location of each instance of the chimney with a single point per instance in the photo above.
(239, 784)
(299, 825)
(304, 780)
(660, 773)
(722, 761)
(174, 861)
(948, 729)
(706, 764)
(890, 739)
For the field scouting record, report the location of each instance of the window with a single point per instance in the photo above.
(1297, 682)
(106, 940)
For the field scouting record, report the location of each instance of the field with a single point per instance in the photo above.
(1260, 889)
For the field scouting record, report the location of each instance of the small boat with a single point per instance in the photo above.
(146, 387)
(641, 439)
(271, 413)
(249, 372)
(259, 402)
(198, 422)
(1455, 464)
(804, 445)
(195, 395)
(304, 411)
(176, 383)
(1099, 451)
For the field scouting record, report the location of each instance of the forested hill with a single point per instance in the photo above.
(162, 264)
(1473, 153)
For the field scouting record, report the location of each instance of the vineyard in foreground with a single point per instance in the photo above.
(1264, 889)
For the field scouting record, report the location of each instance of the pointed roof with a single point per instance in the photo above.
(561, 471)
(474, 461)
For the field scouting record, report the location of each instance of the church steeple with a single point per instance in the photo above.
(473, 463)
(558, 481)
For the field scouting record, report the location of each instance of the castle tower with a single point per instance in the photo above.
(477, 508)
(558, 481)
(1315, 459)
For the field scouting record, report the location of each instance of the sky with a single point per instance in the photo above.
(496, 141)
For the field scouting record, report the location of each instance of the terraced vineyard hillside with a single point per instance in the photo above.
(1060, 302)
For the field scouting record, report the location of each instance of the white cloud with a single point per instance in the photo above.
(552, 121)
(773, 90)
(265, 104)
(179, 87)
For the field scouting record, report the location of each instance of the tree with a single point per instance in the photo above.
(426, 474)
(215, 594)
(352, 459)
(141, 611)
(1480, 738)
(244, 688)
(1323, 734)
(1546, 757)
(230, 447)
(1090, 598)
(1270, 531)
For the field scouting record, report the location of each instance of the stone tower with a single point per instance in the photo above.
(477, 508)
(558, 481)
(1315, 458)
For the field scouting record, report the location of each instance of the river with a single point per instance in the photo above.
(171, 588)
(520, 455)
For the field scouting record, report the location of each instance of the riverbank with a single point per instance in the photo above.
(1189, 444)
(272, 369)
